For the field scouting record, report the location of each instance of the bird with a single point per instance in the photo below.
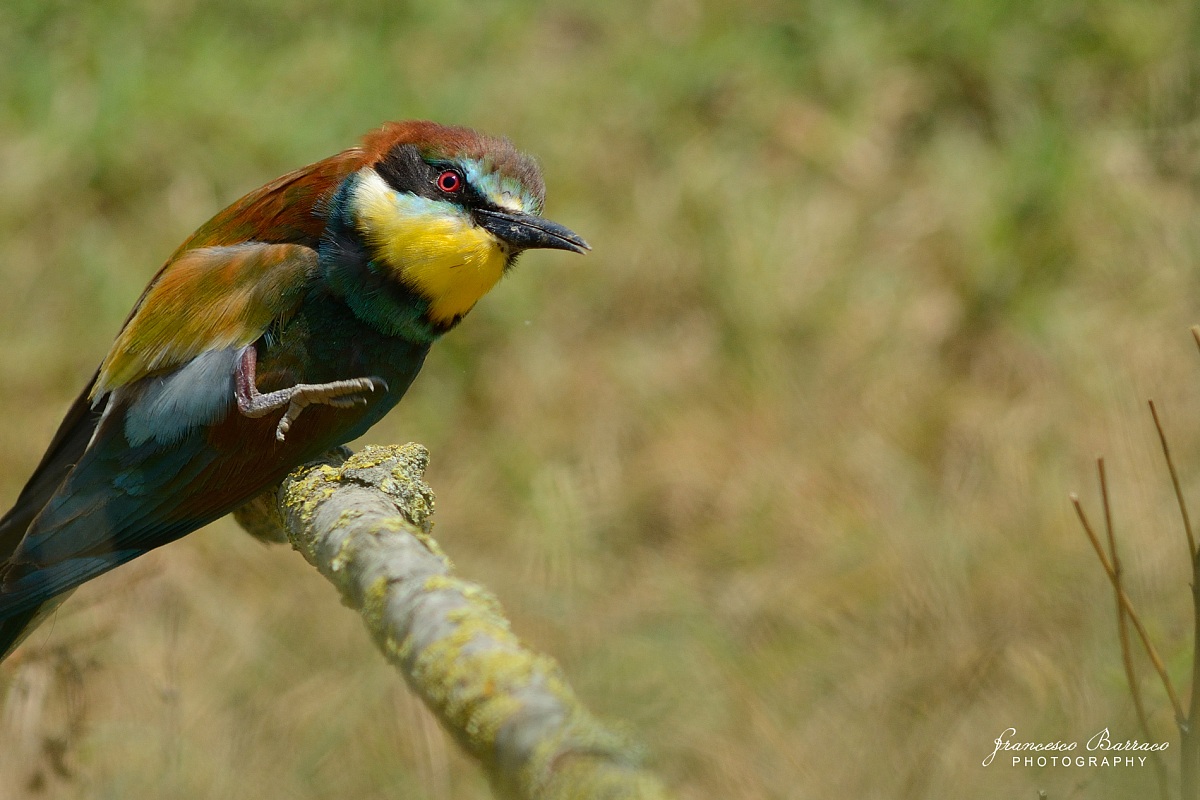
(287, 325)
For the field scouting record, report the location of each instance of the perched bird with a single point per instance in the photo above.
(288, 324)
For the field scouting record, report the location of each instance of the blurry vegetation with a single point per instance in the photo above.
(779, 472)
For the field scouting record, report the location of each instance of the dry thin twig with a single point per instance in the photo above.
(1162, 438)
(1160, 769)
(1189, 757)
(1127, 605)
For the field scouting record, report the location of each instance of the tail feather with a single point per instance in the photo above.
(14, 629)
(18, 619)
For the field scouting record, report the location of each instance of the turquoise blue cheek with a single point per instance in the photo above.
(411, 205)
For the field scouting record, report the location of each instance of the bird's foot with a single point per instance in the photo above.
(340, 394)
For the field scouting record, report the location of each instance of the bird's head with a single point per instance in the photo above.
(444, 211)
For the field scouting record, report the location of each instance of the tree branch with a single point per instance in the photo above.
(364, 523)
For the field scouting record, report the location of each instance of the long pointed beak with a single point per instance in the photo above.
(526, 231)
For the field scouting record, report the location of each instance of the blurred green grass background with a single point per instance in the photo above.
(779, 472)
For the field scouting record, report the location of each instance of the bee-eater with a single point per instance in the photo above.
(288, 324)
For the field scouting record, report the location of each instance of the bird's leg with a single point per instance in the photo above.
(342, 394)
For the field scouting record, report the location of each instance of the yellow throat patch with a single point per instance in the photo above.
(430, 246)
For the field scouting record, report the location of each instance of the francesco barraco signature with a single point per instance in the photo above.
(1103, 751)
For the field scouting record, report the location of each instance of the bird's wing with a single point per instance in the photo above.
(210, 298)
(147, 451)
(169, 454)
(269, 235)
(283, 212)
(61, 456)
(185, 332)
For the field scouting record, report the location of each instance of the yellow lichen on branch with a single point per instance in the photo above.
(363, 521)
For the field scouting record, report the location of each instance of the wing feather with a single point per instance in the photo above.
(286, 211)
(211, 298)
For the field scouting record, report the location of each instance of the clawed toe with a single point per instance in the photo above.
(339, 394)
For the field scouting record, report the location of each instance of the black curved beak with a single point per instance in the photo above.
(527, 232)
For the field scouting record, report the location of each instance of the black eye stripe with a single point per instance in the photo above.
(405, 170)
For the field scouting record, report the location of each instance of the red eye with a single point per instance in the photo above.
(450, 181)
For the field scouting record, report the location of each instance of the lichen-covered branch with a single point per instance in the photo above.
(364, 522)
